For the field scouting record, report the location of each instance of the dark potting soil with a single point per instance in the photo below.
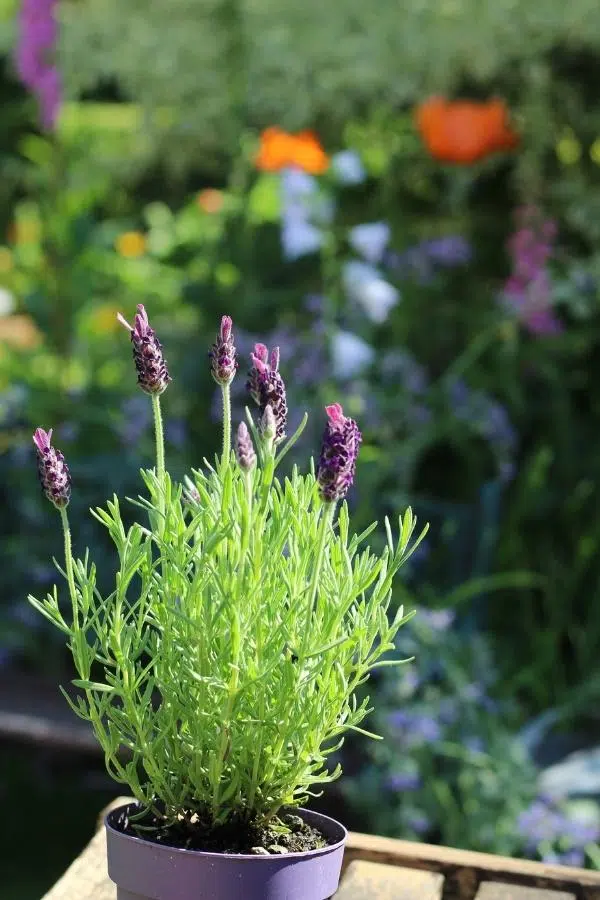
(190, 833)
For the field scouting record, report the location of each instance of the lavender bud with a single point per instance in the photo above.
(223, 354)
(267, 424)
(54, 473)
(244, 448)
(267, 388)
(339, 450)
(153, 375)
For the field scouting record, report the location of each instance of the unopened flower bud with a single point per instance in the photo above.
(54, 473)
(337, 462)
(223, 354)
(244, 448)
(267, 388)
(267, 424)
(153, 375)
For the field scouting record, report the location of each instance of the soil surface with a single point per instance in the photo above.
(289, 833)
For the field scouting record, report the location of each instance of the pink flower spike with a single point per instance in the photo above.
(42, 439)
(226, 326)
(335, 414)
(142, 325)
(261, 352)
(274, 359)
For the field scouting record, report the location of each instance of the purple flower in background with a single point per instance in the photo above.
(339, 450)
(137, 416)
(527, 292)
(347, 167)
(370, 240)
(150, 364)
(421, 261)
(38, 32)
(418, 822)
(403, 781)
(540, 822)
(449, 251)
(414, 727)
(55, 477)
(400, 365)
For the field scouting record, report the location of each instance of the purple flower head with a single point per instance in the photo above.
(266, 386)
(404, 781)
(38, 33)
(223, 354)
(53, 470)
(339, 450)
(244, 449)
(153, 375)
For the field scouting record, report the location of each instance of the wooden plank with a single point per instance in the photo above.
(464, 870)
(373, 881)
(490, 890)
(86, 878)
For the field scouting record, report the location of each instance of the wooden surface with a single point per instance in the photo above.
(498, 891)
(384, 869)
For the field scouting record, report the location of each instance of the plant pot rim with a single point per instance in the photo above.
(316, 819)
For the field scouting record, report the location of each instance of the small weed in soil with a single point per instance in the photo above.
(289, 833)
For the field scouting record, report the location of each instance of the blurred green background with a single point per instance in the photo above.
(448, 297)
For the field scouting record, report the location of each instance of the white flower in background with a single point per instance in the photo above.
(348, 168)
(349, 354)
(370, 240)
(7, 302)
(299, 238)
(365, 286)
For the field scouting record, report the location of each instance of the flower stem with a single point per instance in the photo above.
(160, 438)
(225, 390)
(69, 564)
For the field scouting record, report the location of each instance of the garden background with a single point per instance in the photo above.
(432, 263)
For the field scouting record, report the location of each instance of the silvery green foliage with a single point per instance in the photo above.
(226, 658)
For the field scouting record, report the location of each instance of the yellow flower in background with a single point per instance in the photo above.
(210, 200)
(103, 319)
(131, 244)
(6, 260)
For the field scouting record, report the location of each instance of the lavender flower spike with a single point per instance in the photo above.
(53, 470)
(339, 451)
(244, 449)
(266, 386)
(223, 354)
(153, 375)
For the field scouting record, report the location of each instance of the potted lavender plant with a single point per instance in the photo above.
(220, 672)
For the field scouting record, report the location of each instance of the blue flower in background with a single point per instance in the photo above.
(370, 240)
(404, 781)
(366, 287)
(300, 238)
(449, 251)
(347, 167)
(421, 261)
(419, 823)
(350, 355)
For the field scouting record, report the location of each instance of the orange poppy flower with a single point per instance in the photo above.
(464, 131)
(279, 148)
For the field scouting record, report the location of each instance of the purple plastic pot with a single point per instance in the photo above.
(143, 870)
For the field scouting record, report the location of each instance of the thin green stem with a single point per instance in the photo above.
(69, 564)
(225, 390)
(160, 438)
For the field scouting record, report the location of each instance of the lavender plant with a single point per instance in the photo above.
(220, 672)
